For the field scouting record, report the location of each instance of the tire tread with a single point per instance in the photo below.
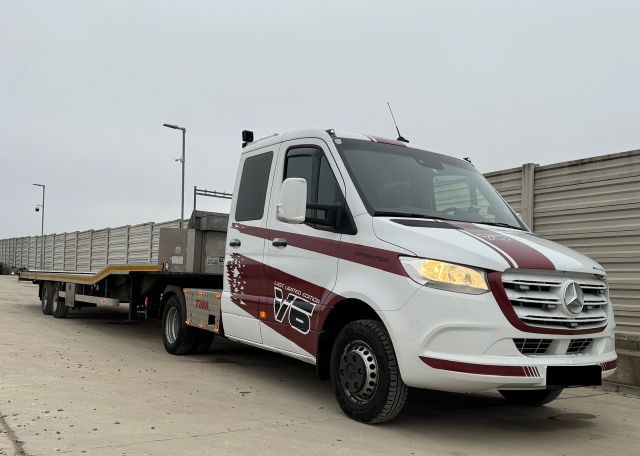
(397, 390)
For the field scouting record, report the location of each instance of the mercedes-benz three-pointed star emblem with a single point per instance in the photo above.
(573, 297)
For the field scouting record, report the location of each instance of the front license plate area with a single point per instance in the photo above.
(568, 376)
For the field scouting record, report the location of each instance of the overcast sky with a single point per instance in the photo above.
(85, 87)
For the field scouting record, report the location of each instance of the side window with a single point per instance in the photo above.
(253, 187)
(322, 187)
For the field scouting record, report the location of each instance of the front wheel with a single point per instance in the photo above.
(365, 375)
(531, 397)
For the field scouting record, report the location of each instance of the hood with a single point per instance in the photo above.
(483, 246)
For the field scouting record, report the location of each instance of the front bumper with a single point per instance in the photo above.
(464, 343)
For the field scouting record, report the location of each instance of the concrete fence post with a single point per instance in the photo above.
(150, 243)
(90, 249)
(75, 256)
(126, 246)
(106, 250)
(64, 252)
(528, 193)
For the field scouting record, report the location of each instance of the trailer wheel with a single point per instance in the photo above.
(178, 338)
(46, 298)
(365, 375)
(531, 397)
(58, 307)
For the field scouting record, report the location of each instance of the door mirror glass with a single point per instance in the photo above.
(293, 200)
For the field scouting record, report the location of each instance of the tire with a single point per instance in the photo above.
(46, 298)
(365, 376)
(58, 307)
(531, 398)
(178, 338)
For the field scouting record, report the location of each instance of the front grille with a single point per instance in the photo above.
(538, 299)
(578, 345)
(533, 346)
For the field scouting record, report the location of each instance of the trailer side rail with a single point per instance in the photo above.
(88, 279)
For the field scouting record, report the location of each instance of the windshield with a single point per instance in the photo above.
(402, 181)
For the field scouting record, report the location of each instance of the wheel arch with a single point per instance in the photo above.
(342, 313)
(169, 291)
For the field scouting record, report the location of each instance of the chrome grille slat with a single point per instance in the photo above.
(538, 300)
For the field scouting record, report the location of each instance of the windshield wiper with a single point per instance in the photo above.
(398, 214)
(411, 215)
(504, 225)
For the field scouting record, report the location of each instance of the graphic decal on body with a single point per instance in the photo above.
(517, 254)
(481, 369)
(295, 308)
(386, 260)
(236, 278)
(300, 309)
(609, 365)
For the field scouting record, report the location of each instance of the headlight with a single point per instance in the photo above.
(445, 276)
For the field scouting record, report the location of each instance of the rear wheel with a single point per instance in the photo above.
(365, 375)
(58, 306)
(46, 298)
(178, 338)
(531, 397)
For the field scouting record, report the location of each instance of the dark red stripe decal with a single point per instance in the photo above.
(609, 365)
(500, 295)
(480, 369)
(494, 248)
(386, 260)
(373, 257)
(525, 256)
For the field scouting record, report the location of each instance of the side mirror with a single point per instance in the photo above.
(292, 207)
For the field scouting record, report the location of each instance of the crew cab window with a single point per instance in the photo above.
(322, 187)
(253, 187)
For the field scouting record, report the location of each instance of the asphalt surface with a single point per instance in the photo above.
(93, 384)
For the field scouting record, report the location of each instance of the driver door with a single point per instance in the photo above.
(302, 258)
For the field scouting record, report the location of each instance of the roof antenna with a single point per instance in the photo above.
(400, 138)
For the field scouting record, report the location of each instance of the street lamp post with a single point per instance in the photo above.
(41, 206)
(181, 160)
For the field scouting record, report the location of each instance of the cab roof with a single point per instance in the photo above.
(326, 135)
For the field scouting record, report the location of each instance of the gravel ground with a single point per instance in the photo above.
(93, 384)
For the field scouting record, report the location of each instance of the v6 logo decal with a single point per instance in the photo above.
(299, 309)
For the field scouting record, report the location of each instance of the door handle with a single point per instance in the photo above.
(279, 242)
(234, 243)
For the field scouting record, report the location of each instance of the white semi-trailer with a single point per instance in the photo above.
(385, 265)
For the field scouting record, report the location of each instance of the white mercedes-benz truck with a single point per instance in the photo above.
(385, 265)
